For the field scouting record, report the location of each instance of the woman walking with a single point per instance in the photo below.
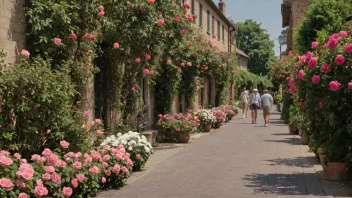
(244, 99)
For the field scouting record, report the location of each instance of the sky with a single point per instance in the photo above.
(266, 12)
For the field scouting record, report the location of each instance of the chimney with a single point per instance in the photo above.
(222, 7)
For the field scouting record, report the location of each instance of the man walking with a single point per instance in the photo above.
(244, 99)
(255, 105)
(267, 103)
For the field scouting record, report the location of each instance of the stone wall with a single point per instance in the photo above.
(12, 28)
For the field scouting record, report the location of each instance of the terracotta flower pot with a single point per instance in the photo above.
(207, 127)
(292, 130)
(285, 121)
(183, 137)
(334, 171)
(218, 125)
(304, 138)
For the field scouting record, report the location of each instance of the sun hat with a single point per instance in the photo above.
(255, 89)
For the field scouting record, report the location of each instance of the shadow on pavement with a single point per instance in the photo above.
(281, 184)
(304, 162)
(293, 141)
(280, 134)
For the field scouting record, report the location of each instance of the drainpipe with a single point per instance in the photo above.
(230, 38)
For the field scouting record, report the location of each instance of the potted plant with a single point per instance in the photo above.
(184, 128)
(220, 117)
(206, 118)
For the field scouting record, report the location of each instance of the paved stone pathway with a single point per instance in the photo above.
(239, 160)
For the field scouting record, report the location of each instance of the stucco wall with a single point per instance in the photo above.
(242, 62)
(12, 28)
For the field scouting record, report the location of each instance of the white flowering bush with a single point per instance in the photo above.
(136, 145)
(206, 116)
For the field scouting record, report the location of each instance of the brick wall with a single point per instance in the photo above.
(12, 28)
(298, 10)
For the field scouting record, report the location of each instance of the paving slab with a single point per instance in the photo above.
(239, 160)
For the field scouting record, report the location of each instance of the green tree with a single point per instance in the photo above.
(255, 41)
(323, 18)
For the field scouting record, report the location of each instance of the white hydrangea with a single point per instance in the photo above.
(131, 140)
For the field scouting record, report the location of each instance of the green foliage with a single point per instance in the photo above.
(253, 40)
(323, 18)
(247, 79)
(36, 109)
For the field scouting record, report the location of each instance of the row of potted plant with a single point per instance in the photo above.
(177, 128)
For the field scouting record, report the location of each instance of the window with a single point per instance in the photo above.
(208, 21)
(212, 26)
(200, 15)
(192, 6)
(219, 30)
(223, 33)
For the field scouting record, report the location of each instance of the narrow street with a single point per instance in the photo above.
(239, 160)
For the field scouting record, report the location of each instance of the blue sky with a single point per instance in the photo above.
(266, 12)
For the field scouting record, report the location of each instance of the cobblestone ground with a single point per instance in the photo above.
(239, 160)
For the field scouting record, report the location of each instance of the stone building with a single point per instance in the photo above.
(292, 12)
(12, 28)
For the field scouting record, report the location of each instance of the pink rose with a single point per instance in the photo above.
(91, 37)
(151, 73)
(5, 161)
(52, 159)
(116, 169)
(300, 74)
(64, 144)
(333, 41)
(77, 165)
(94, 170)
(108, 173)
(161, 21)
(67, 191)
(205, 68)
(184, 31)
(106, 158)
(151, 2)
(197, 88)
(98, 121)
(99, 132)
(344, 34)
(116, 45)
(292, 89)
(189, 64)
(186, 5)
(46, 177)
(6, 184)
(92, 123)
(74, 183)
(315, 79)
(138, 60)
(321, 105)
(80, 177)
(124, 170)
(348, 48)
(168, 62)
(312, 63)
(103, 180)
(73, 37)
(105, 165)
(350, 85)
(86, 114)
(101, 8)
(40, 191)
(57, 41)
(133, 89)
(147, 57)
(47, 152)
(17, 156)
(339, 60)
(309, 56)
(146, 72)
(25, 53)
(325, 68)
(22, 195)
(138, 157)
(178, 19)
(315, 44)
(56, 178)
(101, 13)
(334, 85)
(179, 70)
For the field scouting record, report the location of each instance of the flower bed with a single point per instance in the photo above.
(136, 145)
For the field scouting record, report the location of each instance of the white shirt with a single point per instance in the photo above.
(254, 99)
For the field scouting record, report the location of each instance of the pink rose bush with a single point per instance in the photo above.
(326, 91)
(82, 175)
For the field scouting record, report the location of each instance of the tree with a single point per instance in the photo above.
(253, 40)
(323, 18)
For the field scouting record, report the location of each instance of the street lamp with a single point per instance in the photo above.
(282, 40)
